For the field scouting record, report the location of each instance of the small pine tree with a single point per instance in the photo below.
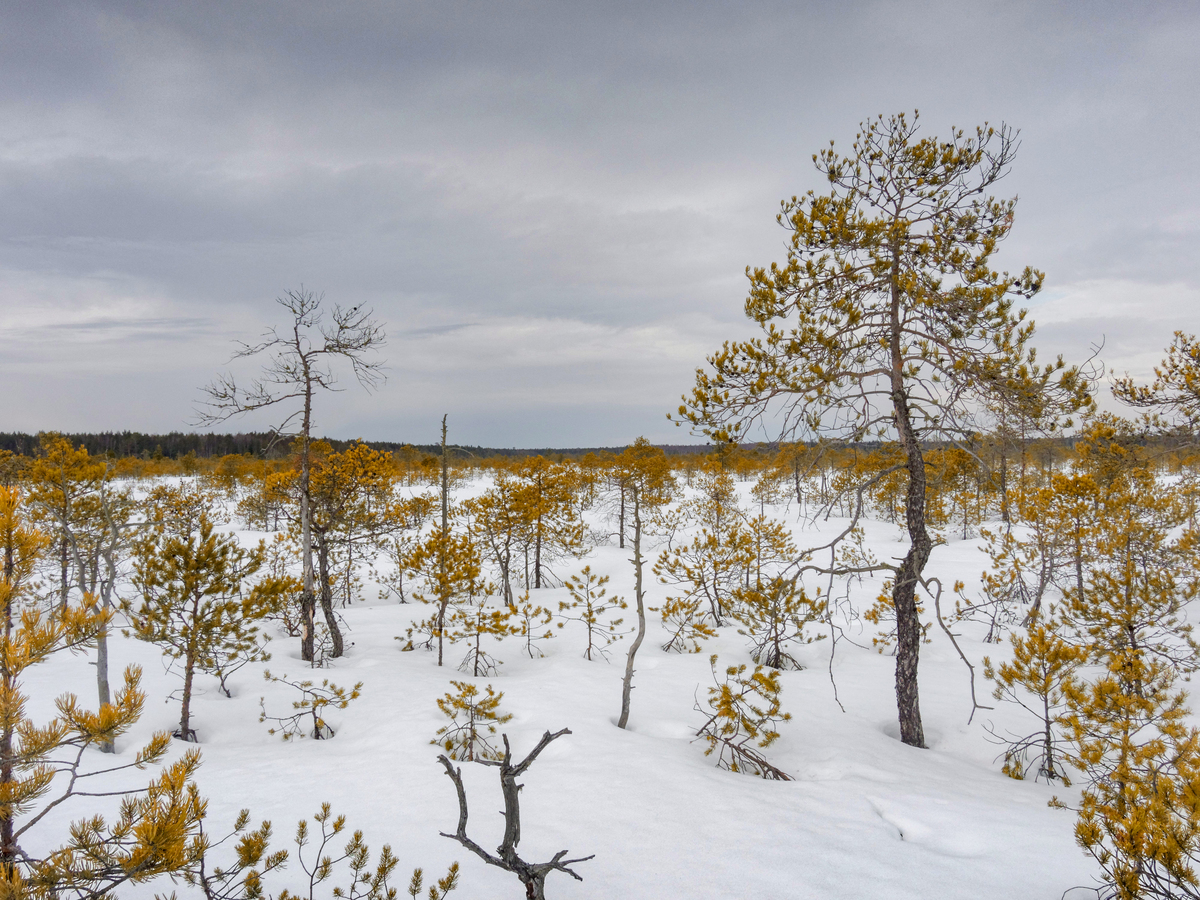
(241, 879)
(1042, 669)
(281, 564)
(710, 568)
(591, 606)
(770, 545)
(743, 713)
(178, 509)
(193, 606)
(473, 719)
(1174, 395)
(1140, 603)
(308, 717)
(1139, 816)
(1021, 572)
(452, 569)
(685, 623)
(533, 624)
(154, 831)
(471, 624)
(775, 615)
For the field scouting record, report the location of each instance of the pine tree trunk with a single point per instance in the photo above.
(537, 555)
(443, 566)
(908, 623)
(64, 589)
(1079, 560)
(8, 841)
(185, 713)
(627, 684)
(308, 603)
(621, 522)
(506, 573)
(105, 587)
(1049, 740)
(102, 689)
(335, 634)
(1005, 514)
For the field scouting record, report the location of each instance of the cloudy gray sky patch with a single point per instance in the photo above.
(550, 205)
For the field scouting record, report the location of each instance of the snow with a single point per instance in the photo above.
(866, 816)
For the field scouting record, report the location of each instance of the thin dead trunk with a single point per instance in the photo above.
(627, 684)
(1005, 514)
(8, 841)
(308, 602)
(621, 520)
(443, 565)
(64, 587)
(106, 588)
(506, 572)
(537, 555)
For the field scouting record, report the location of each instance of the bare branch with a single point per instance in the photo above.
(532, 875)
(297, 361)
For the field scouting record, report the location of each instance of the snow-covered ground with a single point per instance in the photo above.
(865, 817)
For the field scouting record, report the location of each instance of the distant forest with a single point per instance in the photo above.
(268, 445)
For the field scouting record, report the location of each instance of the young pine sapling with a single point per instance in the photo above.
(743, 713)
(193, 605)
(533, 622)
(308, 717)
(591, 606)
(1042, 669)
(686, 624)
(775, 615)
(242, 878)
(471, 624)
(473, 719)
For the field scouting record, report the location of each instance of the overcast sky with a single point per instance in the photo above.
(550, 205)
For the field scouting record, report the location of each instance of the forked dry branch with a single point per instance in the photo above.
(532, 875)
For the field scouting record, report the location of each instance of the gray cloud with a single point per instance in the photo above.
(582, 183)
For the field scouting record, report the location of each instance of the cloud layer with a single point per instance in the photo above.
(550, 205)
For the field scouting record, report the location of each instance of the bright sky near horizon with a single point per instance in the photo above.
(550, 205)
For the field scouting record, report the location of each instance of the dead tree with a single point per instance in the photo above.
(298, 365)
(532, 875)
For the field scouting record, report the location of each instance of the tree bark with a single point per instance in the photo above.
(337, 643)
(185, 714)
(443, 565)
(537, 555)
(621, 522)
(106, 588)
(308, 604)
(627, 684)
(64, 589)
(532, 875)
(506, 571)
(908, 623)
(1005, 514)
(8, 842)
